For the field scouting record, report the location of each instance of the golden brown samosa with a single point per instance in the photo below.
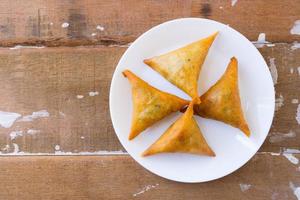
(222, 101)
(149, 104)
(182, 66)
(183, 136)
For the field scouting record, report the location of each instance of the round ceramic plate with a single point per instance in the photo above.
(233, 149)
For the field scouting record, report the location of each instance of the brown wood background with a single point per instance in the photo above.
(80, 58)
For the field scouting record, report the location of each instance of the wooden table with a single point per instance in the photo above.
(56, 63)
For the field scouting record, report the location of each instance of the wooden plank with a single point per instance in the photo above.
(119, 177)
(51, 78)
(41, 22)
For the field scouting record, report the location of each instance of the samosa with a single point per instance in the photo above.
(183, 136)
(222, 101)
(149, 104)
(182, 66)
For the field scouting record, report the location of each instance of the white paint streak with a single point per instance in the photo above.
(7, 119)
(33, 131)
(100, 28)
(275, 154)
(278, 137)
(295, 46)
(296, 28)
(233, 2)
(296, 190)
(16, 148)
(244, 187)
(273, 70)
(65, 25)
(298, 114)
(79, 96)
(14, 134)
(35, 115)
(279, 102)
(93, 34)
(295, 101)
(291, 158)
(291, 70)
(92, 94)
(145, 189)
(26, 47)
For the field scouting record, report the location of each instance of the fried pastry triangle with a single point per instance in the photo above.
(222, 101)
(182, 66)
(149, 104)
(182, 136)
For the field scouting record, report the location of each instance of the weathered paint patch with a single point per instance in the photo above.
(298, 114)
(273, 70)
(233, 2)
(291, 158)
(65, 25)
(295, 46)
(35, 115)
(295, 101)
(298, 69)
(278, 137)
(296, 190)
(291, 70)
(279, 102)
(26, 47)
(7, 119)
(92, 94)
(296, 28)
(244, 187)
(14, 134)
(100, 28)
(79, 96)
(33, 131)
(261, 41)
(145, 189)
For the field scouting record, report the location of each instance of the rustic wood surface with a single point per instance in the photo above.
(51, 78)
(119, 177)
(40, 22)
(59, 86)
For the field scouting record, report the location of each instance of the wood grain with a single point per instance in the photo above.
(119, 177)
(40, 22)
(51, 78)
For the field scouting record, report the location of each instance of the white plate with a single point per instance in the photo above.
(233, 149)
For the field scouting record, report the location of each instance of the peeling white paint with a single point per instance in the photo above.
(295, 101)
(100, 28)
(6, 148)
(26, 47)
(278, 137)
(295, 46)
(295, 189)
(33, 131)
(233, 2)
(65, 25)
(14, 134)
(273, 70)
(279, 102)
(57, 147)
(7, 119)
(275, 154)
(296, 28)
(35, 115)
(291, 158)
(79, 96)
(93, 34)
(298, 114)
(145, 189)
(62, 114)
(91, 94)
(244, 187)
(261, 41)
(291, 151)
